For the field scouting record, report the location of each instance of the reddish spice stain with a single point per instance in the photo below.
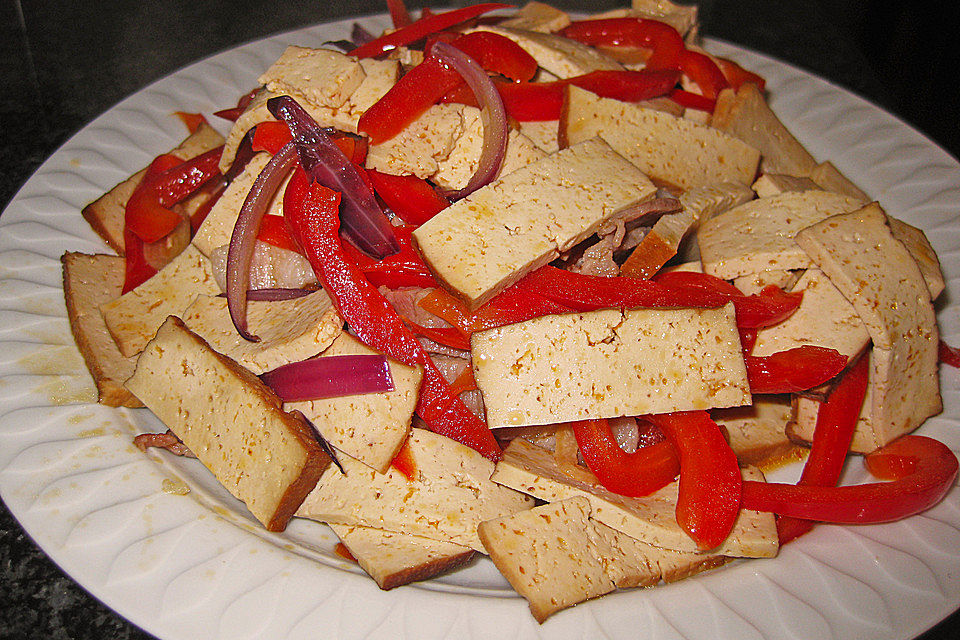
(404, 462)
(343, 552)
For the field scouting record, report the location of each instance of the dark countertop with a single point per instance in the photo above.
(63, 62)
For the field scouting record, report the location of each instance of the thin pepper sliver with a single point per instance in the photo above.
(311, 211)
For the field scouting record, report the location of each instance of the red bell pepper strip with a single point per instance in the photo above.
(922, 470)
(398, 13)
(634, 474)
(793, 370)
(628, 86)
(737, 76)
(233, 113)
(836, 422)
(423, 28)
(136, 269)
(948, 355)
(661, 38)
(701, 68)
(404, 462)
(465, 381)
(270, 137)
(532, 101)
(447, 336)
(498, 54)
(693, 100)
(515, 304)
(710, 481)
(273, 230)
(311, 211)
(410, 197)
(404, 268)
(191, 120)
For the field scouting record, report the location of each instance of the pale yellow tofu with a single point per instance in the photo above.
(322, 77)
(379, 77)
(759, 235)
(666, 148)
(542, 133)
(916, 242)
(771, 184)
(560, 56)
(217, 227)
(824, 318)
(633, 362)
(537, 16)
(370, 427)
(682, 17)
(757, 433)
(395, 559)
(134, 317)
(289, 330)
(451, 493)
(88, 282)
(830, 179)
(651, 519)
(232, 422)
(876, 272)
(549, 555)
(487, 241)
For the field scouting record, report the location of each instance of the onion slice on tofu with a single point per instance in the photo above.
(363, 222)
(330, 377)
(244, 237)
(492, 113)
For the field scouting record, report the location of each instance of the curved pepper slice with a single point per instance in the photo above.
(701, 68)
(710, 481)
(410, 197)
(514, 304)
(423, 28)
(634, 474)
(836, 422)
(793, 370)
(498, 54)
(404, 268)
(922, 471)
(311, 211)
(664, 41)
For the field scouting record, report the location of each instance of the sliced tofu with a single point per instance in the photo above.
(663, 241)
(537, 16)
(395, 559)
(824, 318)
(633, 362)
(756, 282)
(232, 422)
(88, 282)
(549, 555)
(829, 178)
(877, 274)
(134, 317)
(771, 184)
(561, 56)
(321, 77)
(370, 427)
(450, 494)
(759, 235)
(916, 242)
(487, 241)
(745, 114)
(666, 148)
(651, 519)
(106, 213)
(757, 433)
(543, 134)
(289, 330)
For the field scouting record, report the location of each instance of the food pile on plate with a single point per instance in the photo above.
(504, 282)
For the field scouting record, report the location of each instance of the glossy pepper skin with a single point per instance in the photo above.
(311, 211)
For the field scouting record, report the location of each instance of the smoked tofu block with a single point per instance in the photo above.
(232, 422)
(651, 519)
(487, 241)
(289, 330)
(321, 77)
(876, 272)
(916, 242)
(543, 134)
(549, 555)
(633, 362)
(561, 56)
(537, 16)
(370, 427)
(134, 317)
(395, 559)
(824, 318)
(771, 184)
(666, 148)
(759, 235)
(663, 240)
(829, 178)
(106, 213)
(450, 493)
(88, 282)
(757, 433)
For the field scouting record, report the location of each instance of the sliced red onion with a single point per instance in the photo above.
(275, 295)
(242, 156)
(244, 238)
(362, 220)
(326, 446)
(330, 377)
(496, 133)
(360, 35)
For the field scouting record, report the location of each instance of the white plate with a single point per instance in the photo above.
(197, 566)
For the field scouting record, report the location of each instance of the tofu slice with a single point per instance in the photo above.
(561, 56)
(663, 241)
(651, 519)
(824, 318)
(88, 282)
(289, 330)
(877, 274)
(321, 77)
(370, 427)
(485, 242)
(829, 178)
(450, 494)
(673, 150)
(759, 235)
(395, 559)
(106, 213)
(232, 422)
(771, 184)
(134, 317)
(916, 242)
(543, 134)
(757, 433)
(537, 16)
(633, 362)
